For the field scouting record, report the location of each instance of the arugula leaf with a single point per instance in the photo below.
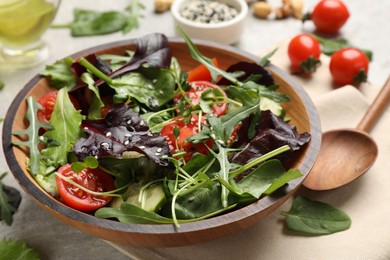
(214, 71)
(32, 133)
(315, 217)
(88, 22)
(13, 249)
(266, 59)
(10, 199)
(66, 121)
(60, 74)
(330, 46)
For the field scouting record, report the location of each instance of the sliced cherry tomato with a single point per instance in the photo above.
(92, 179)
(304, 52)
(178, 143)
(329, 16)
(349, 66)
(201, 72)
(195, 92)
(48, 101)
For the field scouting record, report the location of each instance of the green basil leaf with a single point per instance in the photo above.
(315, 217)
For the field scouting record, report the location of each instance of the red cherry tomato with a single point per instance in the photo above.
(304, 52)
(201, 72)
(329, 16)
(92, 179)
(349, 66)
(178, 144)
(195, 92)
(48, 101)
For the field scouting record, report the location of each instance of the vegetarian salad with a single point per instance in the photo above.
(134, 138)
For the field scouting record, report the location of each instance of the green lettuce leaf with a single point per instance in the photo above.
(66, 121)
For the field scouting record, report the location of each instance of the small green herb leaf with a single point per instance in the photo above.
(330, 46)
(266, 59)
(1, 85)
(12, 249)
(195, 54)
(89, 162)
(315, 218)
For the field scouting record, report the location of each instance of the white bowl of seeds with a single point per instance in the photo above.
(221, 21)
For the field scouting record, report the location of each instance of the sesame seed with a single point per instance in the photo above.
(85, 128)
(128, 122)
(159, 150)
(213, 136)
(203, 11)
(221, 142)
(126, 142)
(108, 134)
(157, 154)
(142, 147)
(142, 123)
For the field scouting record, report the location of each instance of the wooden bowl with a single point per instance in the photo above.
(300, 109)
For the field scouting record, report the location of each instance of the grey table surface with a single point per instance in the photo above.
(368, 27)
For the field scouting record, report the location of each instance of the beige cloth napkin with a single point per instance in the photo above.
(366, 200)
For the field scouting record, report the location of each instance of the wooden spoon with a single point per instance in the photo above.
(346, 154)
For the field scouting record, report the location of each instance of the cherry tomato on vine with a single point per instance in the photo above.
(304, 52)
(197, 88)
(349, 66)
(201, 72)
(178, 131)
(48, 101)
(92, 179)
(329, 16)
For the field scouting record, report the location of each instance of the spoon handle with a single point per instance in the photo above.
(376, 108)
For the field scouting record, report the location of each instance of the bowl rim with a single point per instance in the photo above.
(153, 229)
(243, 12)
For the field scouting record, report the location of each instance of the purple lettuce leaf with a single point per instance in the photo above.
(271, 133)
(121, 130)
(152, 49)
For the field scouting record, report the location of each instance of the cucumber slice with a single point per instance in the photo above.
(152, 198)
(274, 107)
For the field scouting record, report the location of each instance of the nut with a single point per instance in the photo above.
(161, 6)
(262, 10)
(297, 8)
(284, 11)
